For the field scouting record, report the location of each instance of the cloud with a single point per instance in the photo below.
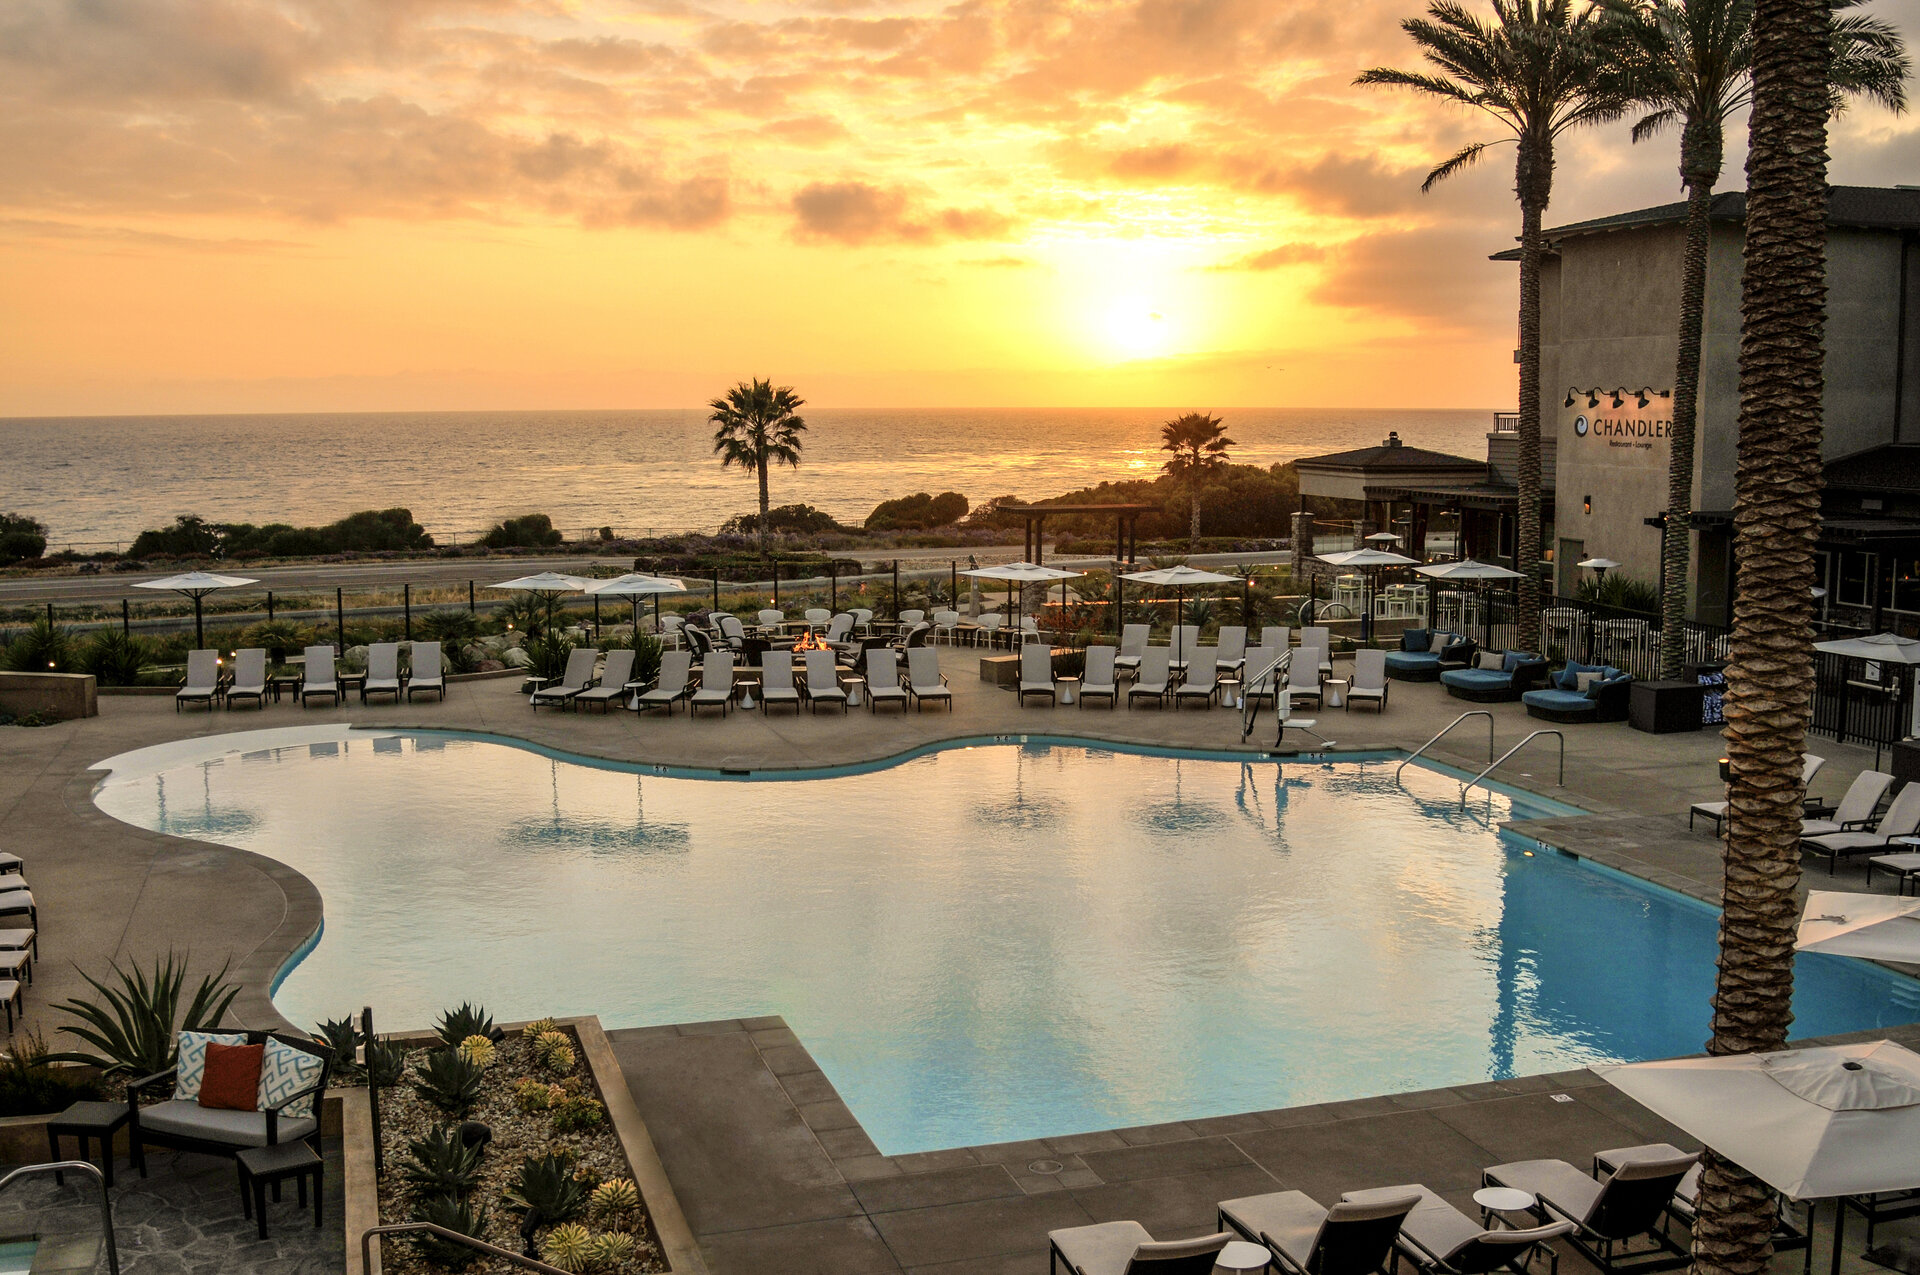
(1286, 254)
(1438, 276)
(857, 212)
(1003, 263)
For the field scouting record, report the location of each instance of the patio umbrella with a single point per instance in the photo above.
(1875, 927)
(1179, 577)
(1367, 561)
(1467, 570)
(1383, 538)
(196, 585)
(1813, 1124)
(1020, 573)
(548, 585)
(637, 585)
(1881, 648)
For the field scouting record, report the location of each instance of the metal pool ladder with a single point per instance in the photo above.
(1445, 730)
(106, 1202)
(1561, 781)
(1250, 691)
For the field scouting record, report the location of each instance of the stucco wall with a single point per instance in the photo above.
(62, 695)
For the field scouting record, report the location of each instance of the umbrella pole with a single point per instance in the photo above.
(656, 613)
(199, 632)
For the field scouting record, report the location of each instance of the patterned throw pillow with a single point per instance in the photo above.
(193, 1060)
(285, 1071)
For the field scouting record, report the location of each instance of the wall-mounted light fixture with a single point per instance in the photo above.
(1619, 398)
(1587, 504)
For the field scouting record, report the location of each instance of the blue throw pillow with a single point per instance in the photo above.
(1416, 640)
(1513, 660)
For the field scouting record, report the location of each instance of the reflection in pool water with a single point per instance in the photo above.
(982, 943)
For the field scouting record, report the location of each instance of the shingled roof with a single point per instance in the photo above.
(1390, 455)
(1853, 207)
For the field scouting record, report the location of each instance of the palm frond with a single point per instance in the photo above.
(1464, 158)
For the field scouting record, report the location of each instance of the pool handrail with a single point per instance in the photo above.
(1250, 684)
(106, 1201)
(1492, 766)
(1442, 734)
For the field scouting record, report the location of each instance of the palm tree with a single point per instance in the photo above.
(758, 429)
(1776, 520)
(1199, 445)
(1693, 65)
(1540, 69)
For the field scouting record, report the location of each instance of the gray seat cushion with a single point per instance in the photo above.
(185, 1119)
(1286, 1221)
(1105, 1249)
(1565, 1190)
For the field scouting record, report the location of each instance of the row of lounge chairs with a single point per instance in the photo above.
(1616, 1216)
(19, 947)
(319, 679)
(823, 682)
(1857, 826)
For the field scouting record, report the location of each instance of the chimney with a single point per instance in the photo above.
(1393, 438)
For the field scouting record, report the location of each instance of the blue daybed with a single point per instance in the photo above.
(1519, 672)
(1561, 700)
(1418, 661)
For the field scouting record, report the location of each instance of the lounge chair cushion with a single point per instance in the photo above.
(188, 1119)
(1491, 661)
(1109, 1246)
(1565, 1190)
(1411, 662)
(1476, 679)
(1569, 703)
(1287, 1221)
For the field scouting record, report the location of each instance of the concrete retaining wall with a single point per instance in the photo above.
(62, 695)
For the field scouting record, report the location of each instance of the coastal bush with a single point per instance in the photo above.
(21, 539)
(368, 531)
(133, 1029)
(786, 520)
(30, 1085)
(42, 647)
(115, 658)
(277, 637)
(529, 531)
(918, 512)
(189, 536)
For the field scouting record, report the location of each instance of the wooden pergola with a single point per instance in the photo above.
(1126, 520)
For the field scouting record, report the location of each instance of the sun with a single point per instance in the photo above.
(1134, 329)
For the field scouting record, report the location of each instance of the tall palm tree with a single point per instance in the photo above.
(1693, 66)
(1539, 69)
(758, 429)
(1776, 521)
(1199, 445)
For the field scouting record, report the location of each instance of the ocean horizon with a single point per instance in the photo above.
(98, 481)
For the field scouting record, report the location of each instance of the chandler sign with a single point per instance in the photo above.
(1626, 435)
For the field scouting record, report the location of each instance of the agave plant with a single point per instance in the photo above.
(553, 1051)
(457, 1024)
(478, 1050)
(342, 1037)
(456, 1213)
(450, 1081)
(612, 1250)
(386, 1062)
(134, 1030)
(547, 1188)
(443, 1162)
(614, 1203)
(569, 1247)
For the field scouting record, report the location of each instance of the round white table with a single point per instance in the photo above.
(1242, 1256)
(1496, 1200)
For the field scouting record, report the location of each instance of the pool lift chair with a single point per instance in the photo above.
(1270, 682)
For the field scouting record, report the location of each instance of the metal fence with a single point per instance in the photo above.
(1574, 629)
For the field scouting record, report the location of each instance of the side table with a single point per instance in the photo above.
(84, 1120)
(1241, 1256)
(1068, 687)
(263, 1166)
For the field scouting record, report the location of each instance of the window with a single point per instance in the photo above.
(1905, 569)
(1855, 582)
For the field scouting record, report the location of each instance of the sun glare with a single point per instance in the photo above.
(1135, 330)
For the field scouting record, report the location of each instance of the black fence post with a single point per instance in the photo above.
(833, 586)
(472, 607)
(596, 615)
(776, 584)
(953, 586)
(406, 610)
(269, 604)
(716, 593)
(49, 615)
(373, 1090)
(340, 618)
(896, 593)
(126, 618)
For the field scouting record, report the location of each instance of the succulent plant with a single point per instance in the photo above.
(478, 1050)
(612, 1250)
(546, 1186)
(615, 1203)
(442, 1162)
(539, 1027)
(576, 1113)
(553, 1051)
(456, 1213)
(386, 1062)
(531, 1094)
(569, 1246)
(457, 1024)
(342, 1036)
(449, 1081)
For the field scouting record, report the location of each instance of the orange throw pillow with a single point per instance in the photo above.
(232, 1080)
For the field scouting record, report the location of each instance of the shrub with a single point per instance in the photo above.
(529, 531)
(277, 637)
(531, 1094)
(449, 626)
(456, 1025)
(115, 658)
(442, 1162)
(539, 1027)
(647, 651)
(615, 1203)
(572, 1114)
(548, 655)
(30, 1085)
(133, 1031)
(524, 613)
(41, 647)
(456, 1213)
(21, 538)
(386, 1062)
(612, 1250)
(547, 1188)
(1620, 590)
(791, 520)
(918, 512)
(449, 1081)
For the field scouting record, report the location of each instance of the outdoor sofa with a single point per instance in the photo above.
(1425, 653)
(290, 1112)
(1513, 674)
(1562, 700)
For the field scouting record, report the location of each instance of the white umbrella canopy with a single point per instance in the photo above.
(1383, 538)
(1365, 558)
(548, 585)
(1019, 573)
(1597, 564)
(1876, 927)
(1890, 648)
(1180, 576)
(196, 585)
(637, 585)
(1810, 1123)
(1468, 569)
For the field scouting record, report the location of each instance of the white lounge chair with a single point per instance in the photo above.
(716, 683)
(1133, 640)
(1902, 819)
(203, 680)
(1099, 677)
(614, 676)
(1232, 655)
(1150, 679)
(576, 677)
(249, 677)
(1202, 682)
(1717, 810)
(776, 681)
(668, 689)
(1303, 676)
(1036, 672)
(670, 626)
(1128, 1248)
(427, 671)
(925, 681)
(1856, 806)
(1184, 641)
(823, 681)
(839, 636)
(1322, 637)
(316, 676)
(863, 619)
(1276, 635)
(383, 671)
(1369, 679)
(733, 632)
(883, 679)
(1259, 660)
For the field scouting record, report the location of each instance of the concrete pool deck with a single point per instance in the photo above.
(739, 1158)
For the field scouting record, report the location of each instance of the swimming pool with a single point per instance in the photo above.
(978, 943)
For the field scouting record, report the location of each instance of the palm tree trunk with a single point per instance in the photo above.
(1776, 522)
(1193, 526)
(763, 504)
(1677, 546)
(1526, 540)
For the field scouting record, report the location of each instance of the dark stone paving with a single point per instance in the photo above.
(185, 1218)
(757, 1145)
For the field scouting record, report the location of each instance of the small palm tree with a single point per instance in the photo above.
(1540, 69)
(1692, 62)
(758, 429)
(1199, 445)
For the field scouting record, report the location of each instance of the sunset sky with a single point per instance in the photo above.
(233, 205)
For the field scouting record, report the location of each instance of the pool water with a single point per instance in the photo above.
(979, 943)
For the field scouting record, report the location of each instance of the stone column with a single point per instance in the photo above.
(1302, 545)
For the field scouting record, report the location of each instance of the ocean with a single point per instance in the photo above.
(99, 481)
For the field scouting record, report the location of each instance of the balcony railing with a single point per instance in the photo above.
(1506, 422)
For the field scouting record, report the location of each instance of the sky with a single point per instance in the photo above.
(335, 205)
